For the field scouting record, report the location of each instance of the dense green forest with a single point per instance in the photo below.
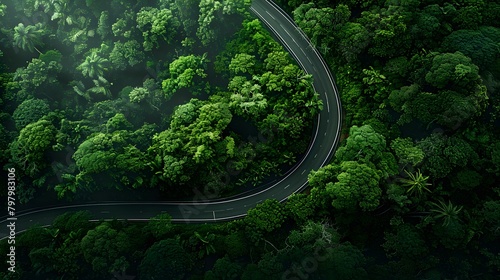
(149, 95)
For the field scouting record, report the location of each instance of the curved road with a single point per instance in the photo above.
(325, 139)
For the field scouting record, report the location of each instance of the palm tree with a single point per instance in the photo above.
(417, 183)
(448, 212)
(94, 65)
(101, 86)
(26, 37)
(60, 12)
(206, 242)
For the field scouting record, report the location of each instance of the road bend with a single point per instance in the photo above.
(325, 139)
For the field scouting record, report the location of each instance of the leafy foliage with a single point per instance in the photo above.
(156, 24)
(357, 186)
(166, 258)
(416, 183)
(419, 88)
(126, 54)
(103, 246)
(30, 111)
(29, 149)
(28, 37)
(93, 66)
(185, 72)
(264, 218)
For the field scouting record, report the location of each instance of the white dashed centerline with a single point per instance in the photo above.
(270, 15)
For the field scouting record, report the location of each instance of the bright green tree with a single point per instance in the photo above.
(357, 187)
(242, 63)
(29, 149)
(367, 146)
(186, 72)
(416, 183)
(110, 154)
(300, 207)
(193, 143)
(247, 99)
(363, 142)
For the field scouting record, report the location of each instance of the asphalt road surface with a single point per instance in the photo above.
(325, 139)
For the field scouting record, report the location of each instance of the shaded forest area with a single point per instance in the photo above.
(412, 193)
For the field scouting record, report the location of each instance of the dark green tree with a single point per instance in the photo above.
(481, 48)
(159, 226)
(454, 71)
(28, 37)
(406, 151)
(103, 247)
(30, 111)
(29, 149)
(126, 54)
(166, 258)
(212, 12)
(224, 269)
(354, 38)
(448, 213)
(264, 218)
(93, 66)
(406, 245)
(345, 261)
